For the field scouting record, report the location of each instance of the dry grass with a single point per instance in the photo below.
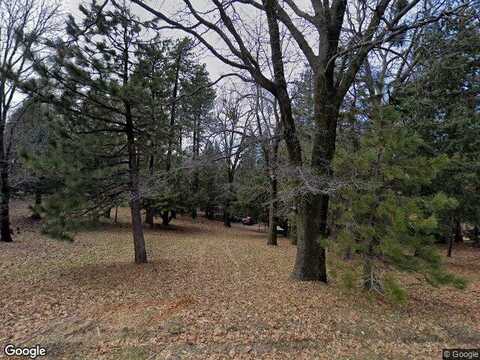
(211, 293)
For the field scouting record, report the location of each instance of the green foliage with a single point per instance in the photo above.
(393, 291)
(385, 216)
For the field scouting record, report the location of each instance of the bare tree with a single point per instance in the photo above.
(269, 135)
(230, 130)
(23, 24)
(335, 37)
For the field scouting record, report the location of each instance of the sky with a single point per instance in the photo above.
(215, 67)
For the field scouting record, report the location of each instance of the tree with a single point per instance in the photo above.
(386, 218)
(231, 126)
(104, 119)
(441, 104)
(269, 135)
(24, 24)
(341, 52)
(197, 111)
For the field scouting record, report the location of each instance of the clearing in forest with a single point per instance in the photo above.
(212, 293)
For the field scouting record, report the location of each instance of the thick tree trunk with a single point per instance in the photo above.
(310, 260)
(313, 212)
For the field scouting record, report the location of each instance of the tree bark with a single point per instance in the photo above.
(310, 260)
(5, 230)
(272, 213)
(313, 211)
(458, 232)
(166, 218)
(36, 206)
(135, 198)
(476, 236)
(451, 240)
(149, 216)
(226, 217)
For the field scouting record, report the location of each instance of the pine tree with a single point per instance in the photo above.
(441, 104)
(386, 218)
(97, 148)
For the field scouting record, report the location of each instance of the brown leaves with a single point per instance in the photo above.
(211, 293)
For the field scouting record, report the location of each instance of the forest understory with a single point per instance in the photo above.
(210, 292)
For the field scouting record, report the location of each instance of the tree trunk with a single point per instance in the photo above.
(149, 216)
(458, 232)
(226, 217)
(272, 213)
(5, 230)
(312, 215)
(173, 110)
(137, 229)
(166, 218)
(115, 220)
(451, 240)
(209, 213)
(36, 206)
(135, 198)
(108, 213)
(476, 236)
(310, 261)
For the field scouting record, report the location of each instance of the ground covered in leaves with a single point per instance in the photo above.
(212, 293)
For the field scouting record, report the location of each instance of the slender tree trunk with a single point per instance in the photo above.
(476, 236)
(135, 198)
(5, 230)
(115, 220)
(272, 212)
(36, 206)
(173, 111)
(451, 240)
(458, 232)
(196, 153)
(149, 211)
(166, 217)
(149, 216)
(209, 213)
(226, 218)
(226, 210)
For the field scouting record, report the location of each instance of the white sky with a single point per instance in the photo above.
(215, 67)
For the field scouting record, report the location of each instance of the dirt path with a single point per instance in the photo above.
(211, 293)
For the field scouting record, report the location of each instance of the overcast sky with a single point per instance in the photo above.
(215, 67)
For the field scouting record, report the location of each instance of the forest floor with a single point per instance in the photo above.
(212, 293)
